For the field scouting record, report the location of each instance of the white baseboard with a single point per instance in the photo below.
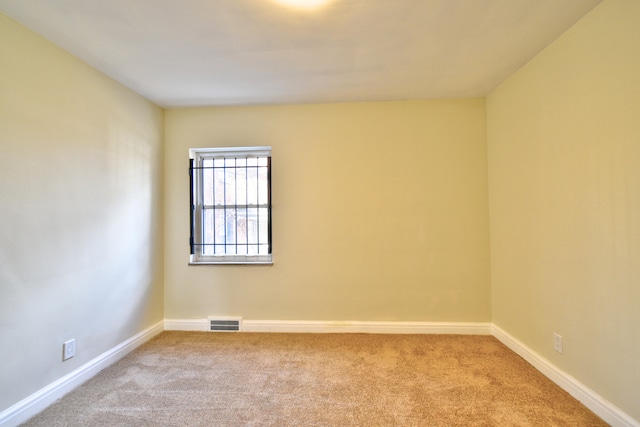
(185, 324)
(312, 326)
(30, 406)
(596, 403)
(373, 327)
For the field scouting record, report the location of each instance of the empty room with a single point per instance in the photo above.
(340, 212)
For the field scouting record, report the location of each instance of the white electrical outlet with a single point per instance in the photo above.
(557, 342)
(68, 349)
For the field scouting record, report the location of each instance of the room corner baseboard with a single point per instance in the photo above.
(313, 326)
(30, 406)
(598, 405)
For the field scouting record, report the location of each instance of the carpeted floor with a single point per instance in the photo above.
(245, 379)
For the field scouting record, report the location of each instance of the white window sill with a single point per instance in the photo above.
(232, 263)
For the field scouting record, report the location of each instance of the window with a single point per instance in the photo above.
(230, 205)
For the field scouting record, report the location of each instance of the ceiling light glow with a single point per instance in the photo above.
(303, 4)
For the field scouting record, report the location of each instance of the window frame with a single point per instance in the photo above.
(197, 207)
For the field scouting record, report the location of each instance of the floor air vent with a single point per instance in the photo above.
(224, 325)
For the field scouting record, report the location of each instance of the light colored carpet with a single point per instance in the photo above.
(245, 379)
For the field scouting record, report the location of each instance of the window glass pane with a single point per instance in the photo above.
(219, 227)
(230, 186)
(252, 161)
(241, 186)
(241, 249)
(241, 162)
(218, 186)
(263, 195)
(252, 186)
(207, 231)
(230, 226)
(207, 182)
(252, 225)
(241, 222)
(219, 162)
(263, 225)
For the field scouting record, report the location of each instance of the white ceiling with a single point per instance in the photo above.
(225, 52)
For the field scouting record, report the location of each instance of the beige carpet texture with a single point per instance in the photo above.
(248, 379)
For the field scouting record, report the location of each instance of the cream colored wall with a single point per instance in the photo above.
(380, 209)
(564, 180)
(80, 212)
(380, 213)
